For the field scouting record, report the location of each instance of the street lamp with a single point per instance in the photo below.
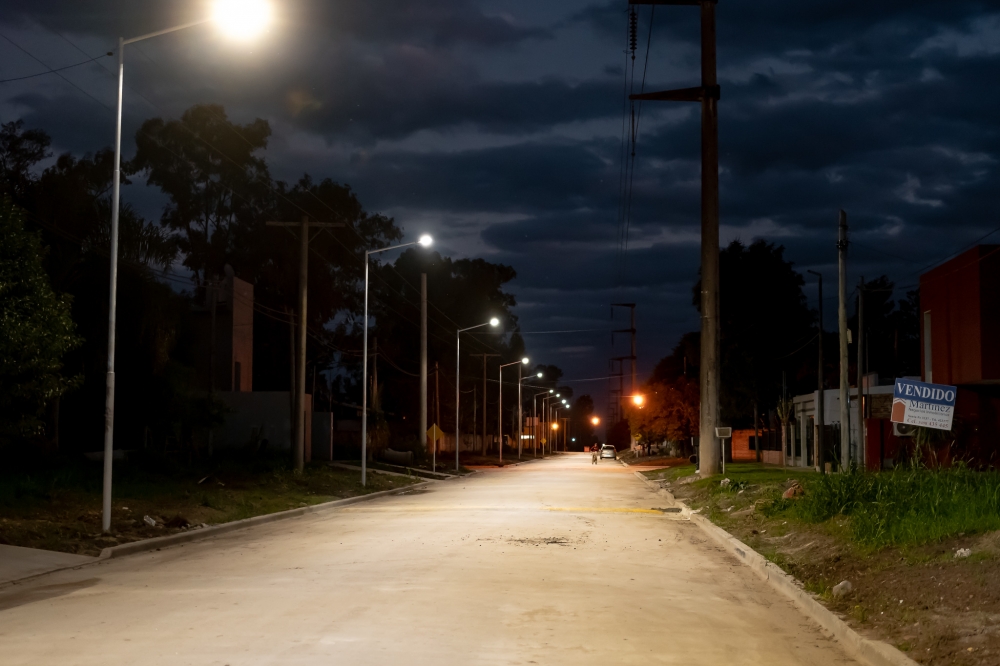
(245, 18)
(595, 421)
(520, 408)
(546, 413)
(638, 400)
(424, 241)
(523, 361)
(494, 322)
(536, 430)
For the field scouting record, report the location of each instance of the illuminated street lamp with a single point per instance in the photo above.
(241, 19)
(494, 322)
(423, 241)
(595, 421)
(523, 361)
(638, 400)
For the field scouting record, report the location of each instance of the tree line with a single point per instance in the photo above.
(220, 193)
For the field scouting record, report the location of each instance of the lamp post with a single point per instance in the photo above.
(425, 241)
(535, 430)
(546, 414)
(238, 18)
(520, 410)
(523, 361)
(458, 360)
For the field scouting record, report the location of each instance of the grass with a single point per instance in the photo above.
(59, 507)
(903, 507)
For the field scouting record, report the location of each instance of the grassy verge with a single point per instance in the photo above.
(59, 508)
(895, 536)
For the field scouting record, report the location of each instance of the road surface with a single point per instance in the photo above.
(552, 562)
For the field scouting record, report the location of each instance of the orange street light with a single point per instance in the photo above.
(638, 400)
(595, 421)
(555, 426)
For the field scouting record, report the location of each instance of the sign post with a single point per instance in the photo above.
(922, 404)
(723, 434)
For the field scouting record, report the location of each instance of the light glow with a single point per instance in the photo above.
(425, 240)
(241, 19)
(494, 322)
(638, 400)
(595, 421)
(555, 426)
(525, 360)
(540, 375)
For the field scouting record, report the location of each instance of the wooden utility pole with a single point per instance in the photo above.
(423, 359)
(298, 409)
(437, 409)
(845, 386)
(707, 94)
(821, 395)
(485, 356)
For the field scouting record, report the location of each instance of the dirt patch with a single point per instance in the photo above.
(937, 608)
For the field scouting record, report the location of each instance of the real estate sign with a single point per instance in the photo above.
(921, 404)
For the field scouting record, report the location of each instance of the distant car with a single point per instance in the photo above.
(608, 451)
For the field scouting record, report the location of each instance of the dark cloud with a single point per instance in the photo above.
(504, 131)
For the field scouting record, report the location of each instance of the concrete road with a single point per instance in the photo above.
(553, 562)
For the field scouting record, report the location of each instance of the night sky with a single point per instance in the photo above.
(496, 125)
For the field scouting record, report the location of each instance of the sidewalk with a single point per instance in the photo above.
(17, 562)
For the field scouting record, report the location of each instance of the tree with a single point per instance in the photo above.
(36, 330)
(766, 328)
(215, 178)
(20, 150)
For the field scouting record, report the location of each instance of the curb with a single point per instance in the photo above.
(215, 530)
(874, 653)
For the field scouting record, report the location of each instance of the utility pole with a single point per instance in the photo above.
(861, 453)
(298, 410)
(485, 356)
(845, 407)
(437, 409)
(707, 94)
(821, 395)
(423, 359)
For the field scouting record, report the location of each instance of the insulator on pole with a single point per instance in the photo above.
(633, 31)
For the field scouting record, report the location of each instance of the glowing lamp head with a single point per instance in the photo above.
(540, 375)
(555, 426)
(525, 360)
(494, 322)
(551, 391)
(564, 402)
(637, 400)
(241, 19)
(425, 240)
(595, 421)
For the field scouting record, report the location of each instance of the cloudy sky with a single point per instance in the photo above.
(497, 126)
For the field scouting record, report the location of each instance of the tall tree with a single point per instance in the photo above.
(766, 328)
(36, 330)
(215, 177)
(20, 151)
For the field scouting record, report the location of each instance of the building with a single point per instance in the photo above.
(960, 343)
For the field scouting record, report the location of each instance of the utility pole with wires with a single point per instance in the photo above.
(821, 391)
(298, 409)
(845, 390)
(485, 357)
(707, 94)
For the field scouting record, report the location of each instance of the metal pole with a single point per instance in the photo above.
(364, 386)
(458, 362)
(845, 409)
(109, 396)
(423, 359)
(534, 430)
(300, 373)
(708, 456)
(821, 395)
(484, 404)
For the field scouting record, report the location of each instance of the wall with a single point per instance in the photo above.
(261, 414)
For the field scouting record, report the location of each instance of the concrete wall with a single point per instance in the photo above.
(262, 415)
